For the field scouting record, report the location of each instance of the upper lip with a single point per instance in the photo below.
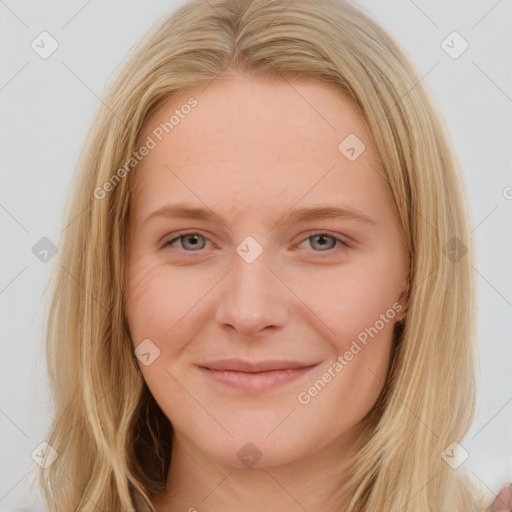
(239, 365)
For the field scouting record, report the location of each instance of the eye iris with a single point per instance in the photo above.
(195, 237)
(322, 238)
(318, 239)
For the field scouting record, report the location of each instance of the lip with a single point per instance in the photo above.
(255, 376)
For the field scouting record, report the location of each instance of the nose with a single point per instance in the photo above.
(252, 298)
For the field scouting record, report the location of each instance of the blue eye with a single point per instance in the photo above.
(319, 239)
(191, 237)
(191, 241)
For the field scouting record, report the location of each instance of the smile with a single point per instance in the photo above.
(257, 377)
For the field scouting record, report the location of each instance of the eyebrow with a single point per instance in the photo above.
(187, 211)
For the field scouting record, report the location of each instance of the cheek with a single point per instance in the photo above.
(158, 300)
(169, 307)
(145, 299)
(357, 306)
(159, 305)
(348, 299)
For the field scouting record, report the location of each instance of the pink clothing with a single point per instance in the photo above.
(503, 500)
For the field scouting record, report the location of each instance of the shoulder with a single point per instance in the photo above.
(503, 499)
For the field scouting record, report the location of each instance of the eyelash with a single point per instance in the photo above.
(341, 241)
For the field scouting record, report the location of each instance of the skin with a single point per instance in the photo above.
(251, 150)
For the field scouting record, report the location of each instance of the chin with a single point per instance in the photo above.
(252, 449)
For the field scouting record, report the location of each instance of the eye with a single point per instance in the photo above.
(321, 241)
(191, 239)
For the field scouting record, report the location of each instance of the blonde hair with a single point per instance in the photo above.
(112, 439)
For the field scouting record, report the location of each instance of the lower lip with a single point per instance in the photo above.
(257, 381)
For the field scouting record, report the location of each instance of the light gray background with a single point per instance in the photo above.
(47, 104)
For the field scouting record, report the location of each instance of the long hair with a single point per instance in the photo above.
(113, 441)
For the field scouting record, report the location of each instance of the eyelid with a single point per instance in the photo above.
(343, 241)
(340, 238)
(179, 234)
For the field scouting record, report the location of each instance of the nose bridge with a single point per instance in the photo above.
(252, 298)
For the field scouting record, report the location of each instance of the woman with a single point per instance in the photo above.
(203, 354)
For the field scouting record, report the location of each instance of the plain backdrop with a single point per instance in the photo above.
(47, 104)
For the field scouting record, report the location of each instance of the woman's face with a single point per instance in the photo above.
(264, 338)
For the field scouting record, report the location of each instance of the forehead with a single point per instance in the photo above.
(250, 141)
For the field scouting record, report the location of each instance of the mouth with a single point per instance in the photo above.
(255, 376)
